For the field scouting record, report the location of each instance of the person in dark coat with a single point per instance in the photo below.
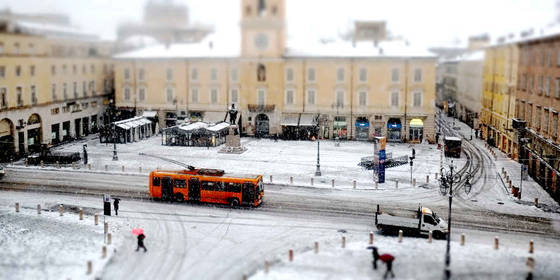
(141, 238)
(116, 206)
(375, 255)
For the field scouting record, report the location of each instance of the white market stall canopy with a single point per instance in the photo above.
(132, 123)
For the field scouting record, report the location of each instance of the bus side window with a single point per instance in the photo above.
(156, 181)
(220, 186)
(208, 186)
(233, 187)
(180, 183)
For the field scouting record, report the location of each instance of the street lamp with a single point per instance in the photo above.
(114, 130)
(522, 142)
(318, 171)
(447, 180)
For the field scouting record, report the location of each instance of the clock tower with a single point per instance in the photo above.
(263, 28)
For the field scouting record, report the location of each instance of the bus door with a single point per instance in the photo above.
(194, 189)
(166, 188)
(248, 194)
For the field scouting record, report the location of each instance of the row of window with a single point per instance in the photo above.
(20, 96)
(17, 49)
(544, 85)
(18, 70)
(261, 96)
(538, 117)
(261, 74)
(75, 89)
(539, 57)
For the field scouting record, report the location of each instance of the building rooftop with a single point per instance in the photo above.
(226, 45)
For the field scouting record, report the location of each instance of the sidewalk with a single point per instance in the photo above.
(530, 189)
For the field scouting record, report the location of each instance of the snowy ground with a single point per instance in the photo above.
(226, 243)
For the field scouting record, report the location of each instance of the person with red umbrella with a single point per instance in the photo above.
(141, 237)
(388, 260)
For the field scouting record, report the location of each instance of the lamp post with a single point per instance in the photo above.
(318, 171)
(114, 131)
(522, 142)
(447, 180)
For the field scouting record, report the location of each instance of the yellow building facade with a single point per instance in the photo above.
(348, 91)
(53, 88)
(499, 95)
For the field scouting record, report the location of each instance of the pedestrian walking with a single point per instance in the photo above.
(375, 255)
(116, 206)
(141, 238)
(388, 259)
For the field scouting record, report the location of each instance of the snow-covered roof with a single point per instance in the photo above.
(193, 126)
(219, 45)
(219, 126)
(140, 41)
(49, 29)
(473, 56)
(132, 122)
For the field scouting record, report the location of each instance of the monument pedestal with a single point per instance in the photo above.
(233, 143)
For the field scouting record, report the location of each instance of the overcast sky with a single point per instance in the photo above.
(423, 22)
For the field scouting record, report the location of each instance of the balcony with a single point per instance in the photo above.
(257, 108)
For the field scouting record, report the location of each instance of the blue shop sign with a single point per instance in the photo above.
(394, 125)
(362, 124)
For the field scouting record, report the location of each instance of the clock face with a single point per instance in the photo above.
(261, 41)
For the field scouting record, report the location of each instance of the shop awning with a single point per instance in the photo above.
(416, 123)
(307, 120)
(149, 114)
(289, 120)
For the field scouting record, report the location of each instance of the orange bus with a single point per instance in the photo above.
(207, 185)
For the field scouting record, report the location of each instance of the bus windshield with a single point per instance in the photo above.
(260, 187)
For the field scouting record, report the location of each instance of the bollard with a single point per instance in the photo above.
(106, 167)
(57, 164)
(370, 237)
(397, 184)
(436, 175)
(400, 235)
(11, 161)
(271, 178)
(414, 182)
(427, 179)
(104, 252)
(17, 207)
(496, 243)
(266, 265)
(312, 181)
(81, 214)
(89, 267)
(376, 185)
(140, 169)
(123, 168)
(42, 164)
(89, 166)
(61, 209)
(430, 237)
(109, 238)
(316, 247)
(73, 165)
(462, 239)
(26, 163)
(244, 277)
(332, 182)
(291, 180)
(106, 227)
(503, 170)
(291, 255)
(38, 209)
(530, 267)
(531, 247)
(536, 202)
(343, 242)
(96, 219)
(354, 184)
(510, 184)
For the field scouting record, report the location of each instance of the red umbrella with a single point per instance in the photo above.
(387, 258)
(137, 231)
